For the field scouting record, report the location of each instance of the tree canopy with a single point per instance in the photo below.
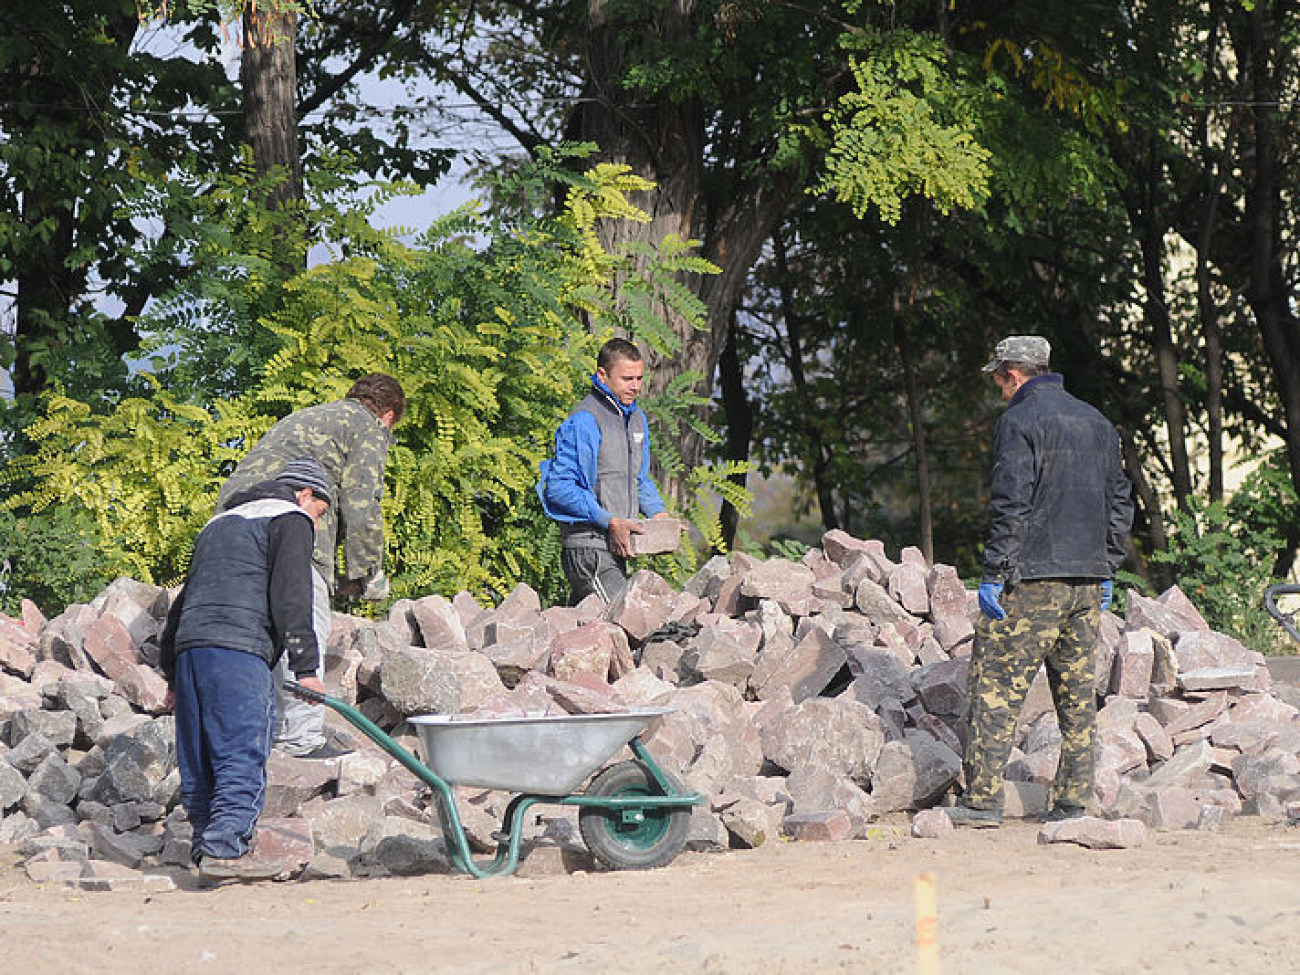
(884, 189)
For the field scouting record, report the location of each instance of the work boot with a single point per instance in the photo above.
(247, 869)
(974, 817)
(1063, 811)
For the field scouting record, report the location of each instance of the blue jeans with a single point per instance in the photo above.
(225, 713)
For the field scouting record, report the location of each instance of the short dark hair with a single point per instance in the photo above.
(380, 394)
(616, 350)
(1027, 369)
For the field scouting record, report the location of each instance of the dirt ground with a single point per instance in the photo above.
(1184, 902)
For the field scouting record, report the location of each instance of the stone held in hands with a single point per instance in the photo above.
(657, 535)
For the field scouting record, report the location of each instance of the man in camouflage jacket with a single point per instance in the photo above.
(349, 438)
(1062, 509)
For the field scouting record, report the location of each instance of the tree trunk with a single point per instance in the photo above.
(1151, 227)
(903, 345)
(819, 456)
(1267, 290)
(1148, 502)
(739, 414)
(1210, 332)
(269, 78)
(663, 140)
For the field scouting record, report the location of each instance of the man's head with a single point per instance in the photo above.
(382, 395)
(620, 368)
(310, 485)
(1016, 359)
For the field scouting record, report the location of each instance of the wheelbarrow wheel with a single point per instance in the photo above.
(623, 841)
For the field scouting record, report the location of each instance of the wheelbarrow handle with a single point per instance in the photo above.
(1274, 610)
(306, 693)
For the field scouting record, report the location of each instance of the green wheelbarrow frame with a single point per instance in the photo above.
(623, 813)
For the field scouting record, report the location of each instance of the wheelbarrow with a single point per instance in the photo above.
(632, 816)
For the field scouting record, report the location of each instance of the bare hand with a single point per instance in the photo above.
(312, 684)
(621, 531)
(169, 700)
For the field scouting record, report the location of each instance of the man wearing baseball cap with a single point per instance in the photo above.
(246, 607)
(1061, 510)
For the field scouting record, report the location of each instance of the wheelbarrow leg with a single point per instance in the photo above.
(509, 838)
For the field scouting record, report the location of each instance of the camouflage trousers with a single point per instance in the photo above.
(1051, 622)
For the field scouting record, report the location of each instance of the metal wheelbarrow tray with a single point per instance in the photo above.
(632, 816)
(550, 755)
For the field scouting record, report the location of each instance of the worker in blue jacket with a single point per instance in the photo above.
(598, 482)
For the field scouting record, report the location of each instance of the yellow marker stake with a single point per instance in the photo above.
(927, 925)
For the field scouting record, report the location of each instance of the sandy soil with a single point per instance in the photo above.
(1185, 902)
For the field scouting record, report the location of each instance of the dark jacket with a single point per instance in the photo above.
(250, 584)
(1061, 503)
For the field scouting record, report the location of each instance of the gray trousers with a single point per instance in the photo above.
(300, 726)
(591, 570)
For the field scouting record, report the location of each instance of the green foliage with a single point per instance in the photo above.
(227, 10)
(707, 487)
(208, 331)
(1265, 502)
(1224, 568)
(899, 133)
(68, 152)
(673, 412)
(790, 549)
(51, 558)
(490, 326)
(145, 474)
(1063, 85)
(99, 97)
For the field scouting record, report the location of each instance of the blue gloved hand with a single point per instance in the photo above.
(990, 593)
(1107, 594)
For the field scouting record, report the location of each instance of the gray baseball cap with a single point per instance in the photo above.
(1033, 349)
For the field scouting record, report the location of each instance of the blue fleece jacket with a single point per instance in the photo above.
(568, 489)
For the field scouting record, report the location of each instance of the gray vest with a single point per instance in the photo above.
(618, 463)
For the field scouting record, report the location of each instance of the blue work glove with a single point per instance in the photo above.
(990, 593)
(1107, 594)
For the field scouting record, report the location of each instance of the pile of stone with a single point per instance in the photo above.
(809, 700)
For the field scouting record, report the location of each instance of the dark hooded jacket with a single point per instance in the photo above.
(250, 583)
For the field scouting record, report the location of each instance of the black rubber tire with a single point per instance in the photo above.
(653, 842)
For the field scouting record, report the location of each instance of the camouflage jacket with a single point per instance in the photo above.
(350, 442)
